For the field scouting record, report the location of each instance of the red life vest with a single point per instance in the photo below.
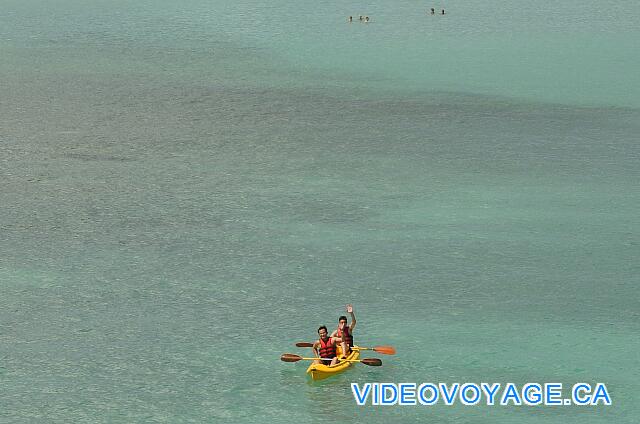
(328, 349)
(346, 336)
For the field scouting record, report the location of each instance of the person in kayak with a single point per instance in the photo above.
(345, 332)
(325, 347)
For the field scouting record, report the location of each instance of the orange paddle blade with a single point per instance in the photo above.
(373, 362)
(290, 357)
(386, 350)
(304, 344)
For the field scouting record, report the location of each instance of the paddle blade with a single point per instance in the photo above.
(304, 344)
(386, 350)
(290, 357)
(373, 362)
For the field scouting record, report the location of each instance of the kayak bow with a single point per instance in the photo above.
(321, 371)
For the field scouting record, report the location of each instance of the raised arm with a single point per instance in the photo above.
(353, 318)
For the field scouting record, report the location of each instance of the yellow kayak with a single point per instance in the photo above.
(321, 371)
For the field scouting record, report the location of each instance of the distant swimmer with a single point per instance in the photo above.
(366, 20)
(361, 17)
(433, 11)
(443, 11)
(350, 18)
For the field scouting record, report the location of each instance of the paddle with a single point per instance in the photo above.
(290, 357)
(385, 350)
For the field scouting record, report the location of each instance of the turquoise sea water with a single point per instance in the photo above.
(188, 189)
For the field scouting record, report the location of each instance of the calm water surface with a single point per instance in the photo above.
(188, 189)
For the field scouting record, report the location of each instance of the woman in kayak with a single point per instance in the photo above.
(325, 347)
(345, 332)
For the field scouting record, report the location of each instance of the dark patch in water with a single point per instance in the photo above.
(97, 157)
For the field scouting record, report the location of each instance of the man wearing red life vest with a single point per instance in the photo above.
(325, 347)
(345, 332)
